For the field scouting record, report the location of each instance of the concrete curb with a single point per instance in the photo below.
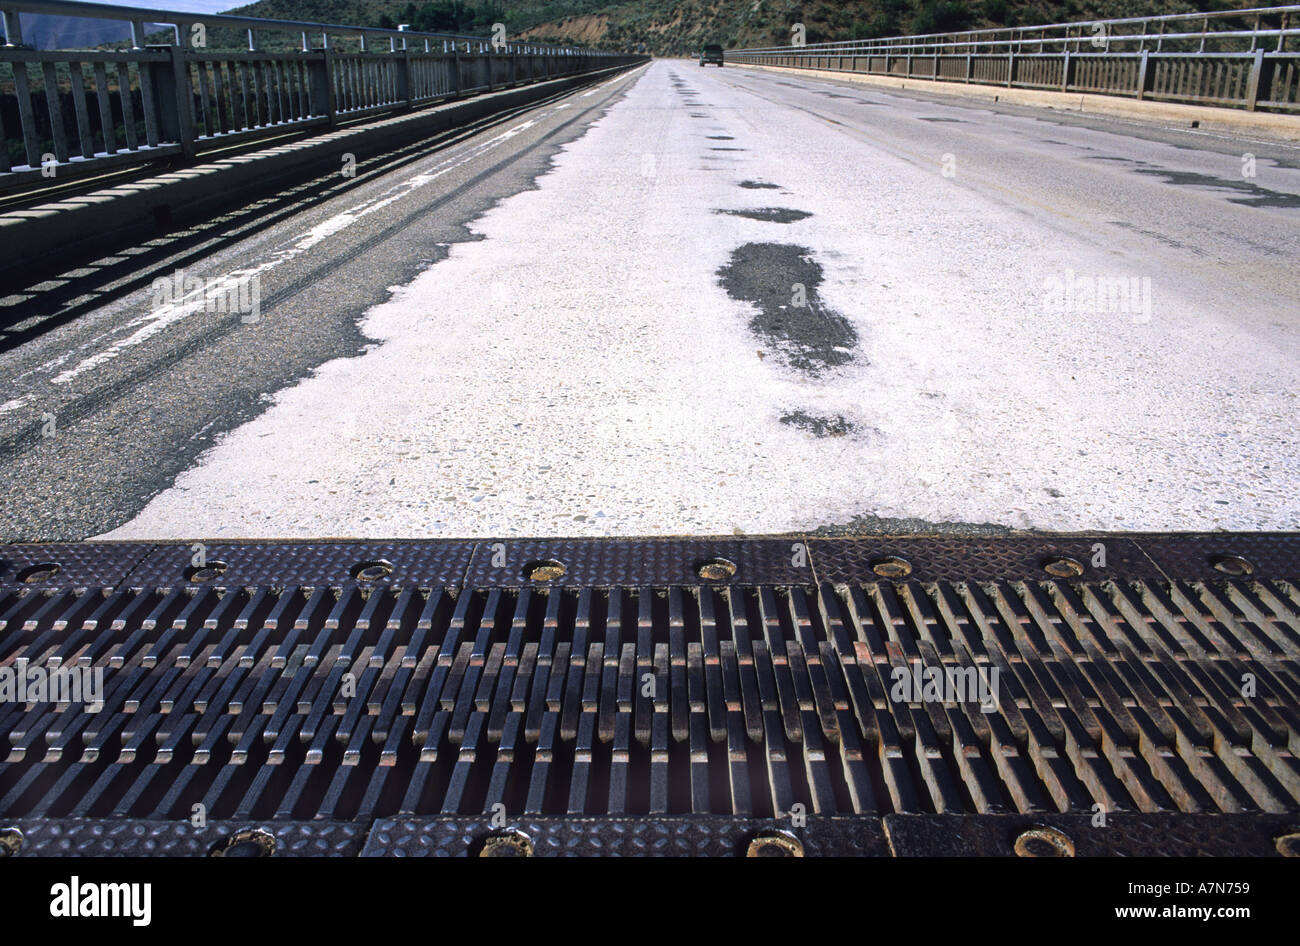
(1206, 117)
(91, 225)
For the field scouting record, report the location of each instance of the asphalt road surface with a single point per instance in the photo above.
(702, 301)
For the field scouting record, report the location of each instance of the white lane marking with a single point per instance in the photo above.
(161, 317)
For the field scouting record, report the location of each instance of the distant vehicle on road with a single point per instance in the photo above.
(712, 54)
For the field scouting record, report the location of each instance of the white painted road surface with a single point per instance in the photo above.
(621, 352)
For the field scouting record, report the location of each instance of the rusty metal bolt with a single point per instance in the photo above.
(512, 843)
(11, 842)
(248, 842)
(1288, 845)
(775, 844)
(1062, 566)
(892, 567)
(716, 569)
(202, 573)
(35, 574)
(1233, 565)
(372, 571)
(546, 569)
(1042, 841)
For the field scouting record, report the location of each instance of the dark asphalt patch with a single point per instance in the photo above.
(955, 121)
(759, 186)
(1252, 195)
(728, 149)
(1249, 194)
(810, 337)
(769, 214)
(721, 138)
(835, 426)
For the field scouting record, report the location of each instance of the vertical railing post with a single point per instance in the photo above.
(182, 102)
(13, 27)
(1256, 81)
(22, 91)
(321, 70)
(1144, 75)
(404, 91)
(1066, 66)
(54, 109)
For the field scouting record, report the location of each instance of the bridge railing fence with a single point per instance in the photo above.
(1237, 58)
(176, 92)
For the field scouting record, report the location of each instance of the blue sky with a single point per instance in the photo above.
(60, 32)
(186, 6)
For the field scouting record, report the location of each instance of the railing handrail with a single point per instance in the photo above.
(83, 111)
(179, 19)
(989, 35)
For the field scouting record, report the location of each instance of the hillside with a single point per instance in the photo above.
(665, 27)
(662, 27)
(682, 27)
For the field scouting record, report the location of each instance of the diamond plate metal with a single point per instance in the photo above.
(307, 564)
(1012, 558)
(117, 838)
(1123, 835)
(645, 562)
(101, 565)
(1192, 556)
(695, 836)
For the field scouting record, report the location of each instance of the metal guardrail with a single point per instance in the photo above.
(69, 113)
(1236, 58)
